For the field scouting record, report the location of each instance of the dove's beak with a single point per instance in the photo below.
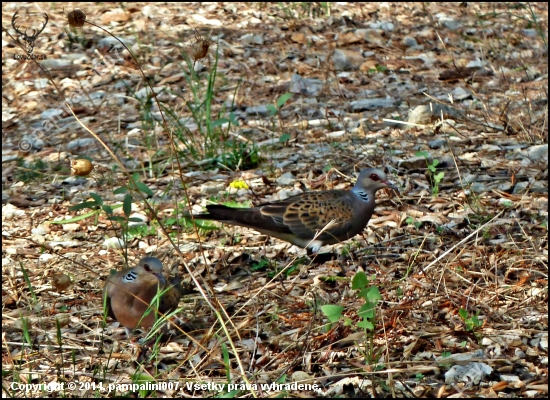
(391, 186)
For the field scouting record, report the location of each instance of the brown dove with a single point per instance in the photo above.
(299, 218)
(129, 293)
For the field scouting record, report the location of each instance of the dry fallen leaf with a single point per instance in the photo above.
(61, 282)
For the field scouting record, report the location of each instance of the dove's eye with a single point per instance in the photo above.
(375, 177)
(146, 267)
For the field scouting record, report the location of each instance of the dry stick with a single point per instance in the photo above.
(487, 123)
(303, 348)
(415, 256)
(462, 116)
(201, 290)
(461, 242)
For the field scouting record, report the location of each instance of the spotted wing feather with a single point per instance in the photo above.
(311, 212)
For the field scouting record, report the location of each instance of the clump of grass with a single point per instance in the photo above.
(206, 135)
(301, 10)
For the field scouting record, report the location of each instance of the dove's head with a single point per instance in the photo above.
(150, 265)
(372, 179)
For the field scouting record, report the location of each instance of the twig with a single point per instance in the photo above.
(460, 243)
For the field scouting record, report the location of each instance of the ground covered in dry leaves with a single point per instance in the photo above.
(450, 99)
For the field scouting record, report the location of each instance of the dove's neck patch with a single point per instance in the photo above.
(129, 277)
(362, 195)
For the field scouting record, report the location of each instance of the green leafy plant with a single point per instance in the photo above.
(435, 177)
(333, 313)
(261, 265)
(141, 231)
(377, 69)
(98, 206)
(275, 109)
(371, 295)
(411, 221)
(367, 314)
(279, 103)
(180, 217)
(142, 379)
(232, 203)
(239, 156)
(285, 137)
(26, 332)
(507, 203)
(471, 322)
(291, 270)
(26, 172)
